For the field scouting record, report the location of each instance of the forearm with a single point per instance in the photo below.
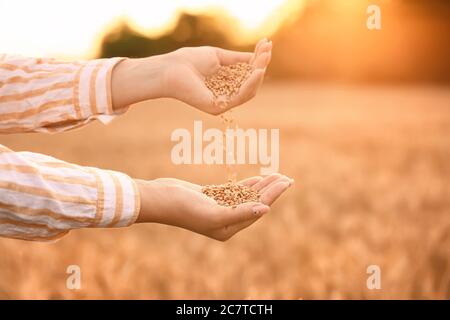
(47, 95)
(42, 198)
(136, 80)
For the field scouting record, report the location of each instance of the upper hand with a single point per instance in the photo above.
(187, 68)
(181, 74)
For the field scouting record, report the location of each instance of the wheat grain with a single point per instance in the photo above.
(227, 81)
(224, 84)
(231, 194)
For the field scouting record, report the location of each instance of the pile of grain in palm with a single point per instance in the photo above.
(225, 83)
(231, 194)
(228, 79)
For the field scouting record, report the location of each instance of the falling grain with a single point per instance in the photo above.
(224, 84)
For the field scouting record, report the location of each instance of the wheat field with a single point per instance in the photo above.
(372, 171)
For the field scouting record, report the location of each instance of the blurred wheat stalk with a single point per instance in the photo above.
(372, 173)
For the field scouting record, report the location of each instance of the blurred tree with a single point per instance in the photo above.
(327, 41)
(190, 30)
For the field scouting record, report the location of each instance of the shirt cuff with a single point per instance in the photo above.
(92, 90)
(118, 199)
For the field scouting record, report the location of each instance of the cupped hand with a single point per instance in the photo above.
(182, 204)
(187, 68)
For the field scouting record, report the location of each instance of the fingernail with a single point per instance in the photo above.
(260, 209)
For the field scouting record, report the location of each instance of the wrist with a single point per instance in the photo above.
(153, 202)
(136, 80)
(145, 205)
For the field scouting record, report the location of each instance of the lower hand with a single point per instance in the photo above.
(182, 204)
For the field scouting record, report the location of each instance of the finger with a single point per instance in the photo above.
(264, 48)
(229, 231)
(270, 46)
(268, 60)
(227, 57)
(266, 181)
(248, 89)
(272, 193)
(250, 181)
(251, 85)
(282, 178)
(258, 45)
(268, 51)
(243, 212)
(262, 60)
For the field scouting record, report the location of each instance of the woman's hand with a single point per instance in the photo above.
(181, 74)
(182, 204)
(188, 67)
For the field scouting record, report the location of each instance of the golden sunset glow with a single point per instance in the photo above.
(73, 28)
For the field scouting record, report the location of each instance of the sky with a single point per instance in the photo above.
(73, 28)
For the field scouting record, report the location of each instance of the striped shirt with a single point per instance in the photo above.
(43, 198)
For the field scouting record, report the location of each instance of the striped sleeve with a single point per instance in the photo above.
(43, 198)
(47, 95)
